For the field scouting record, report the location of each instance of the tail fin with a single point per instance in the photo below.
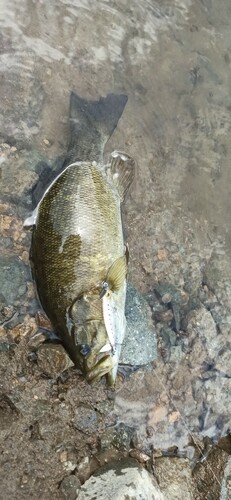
(92, 123)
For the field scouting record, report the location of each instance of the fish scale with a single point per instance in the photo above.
(83, 233)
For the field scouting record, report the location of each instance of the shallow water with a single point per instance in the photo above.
(173, 61)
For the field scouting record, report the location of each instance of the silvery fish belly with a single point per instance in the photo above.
(79, 259)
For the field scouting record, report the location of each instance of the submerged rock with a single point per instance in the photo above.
(174, 477)
(139, 347)
(212, 471)
(14, 275)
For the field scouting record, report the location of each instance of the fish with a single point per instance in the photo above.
(78, 256)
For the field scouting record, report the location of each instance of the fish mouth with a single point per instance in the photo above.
(103, 367)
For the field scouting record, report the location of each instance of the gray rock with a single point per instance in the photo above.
(22, 116)
(14, 275)
(176, 354)
(122, 439)
(223, 363)
(139, 347)
(217, 272)
(119, 438)
(202, 330)
(18, 178)
(69, 487)
(119, 481)
(107, 438)
(85, 419)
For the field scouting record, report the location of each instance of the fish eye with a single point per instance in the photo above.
(85, 349)
(104, 289)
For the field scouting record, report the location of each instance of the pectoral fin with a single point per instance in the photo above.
(117, 274)
(31, 220)
(123, 172)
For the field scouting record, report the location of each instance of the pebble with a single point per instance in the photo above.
(70, 487)
(84, 469)
(140, 456)
(106, 439)
(53, 360)
(63, 456)
(123, 436)
(46, 142)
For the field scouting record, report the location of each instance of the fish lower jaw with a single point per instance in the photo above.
(99, 370)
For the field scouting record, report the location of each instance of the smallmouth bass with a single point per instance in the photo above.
(78, 256)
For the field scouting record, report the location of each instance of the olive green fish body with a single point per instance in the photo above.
(77, 244)
(78, 235)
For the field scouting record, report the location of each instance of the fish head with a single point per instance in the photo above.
(90, 340)
(97, 325)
